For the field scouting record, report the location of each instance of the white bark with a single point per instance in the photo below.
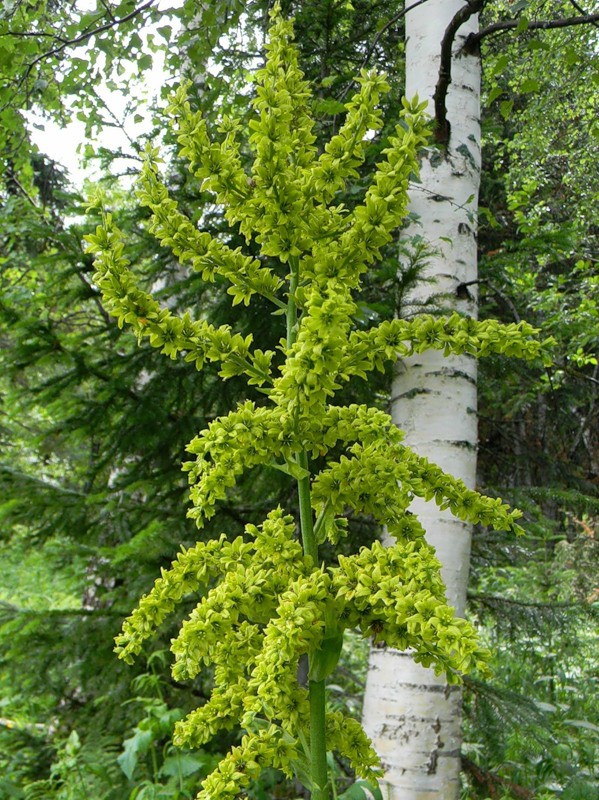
(414, 718)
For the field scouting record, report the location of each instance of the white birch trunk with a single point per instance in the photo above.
(414, 718)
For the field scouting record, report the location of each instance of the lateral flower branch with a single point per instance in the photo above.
(265, 596)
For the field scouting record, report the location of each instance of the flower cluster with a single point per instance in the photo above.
(236, 770)
(199, 339)
(261, 596)
(206, 255)
(396, 595)
(453, 335)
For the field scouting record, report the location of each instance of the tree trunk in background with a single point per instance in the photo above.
(414, 718)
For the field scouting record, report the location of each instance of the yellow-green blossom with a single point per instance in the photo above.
(260, 602)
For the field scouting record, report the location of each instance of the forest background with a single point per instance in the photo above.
(93, 427)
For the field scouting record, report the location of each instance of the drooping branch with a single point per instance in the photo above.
(494, 784)
(509, 24)
(471, 47)
(442, 126)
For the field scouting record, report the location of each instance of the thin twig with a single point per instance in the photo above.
(385, 27)
(77, 40)
(499, 27)
(33, 34)
(24, 191)
(88, 34)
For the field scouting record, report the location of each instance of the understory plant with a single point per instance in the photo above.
(265, 599)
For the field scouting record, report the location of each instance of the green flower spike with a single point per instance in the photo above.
(265, 596)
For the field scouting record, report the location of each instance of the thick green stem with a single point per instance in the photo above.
(318, 745)
(291, 304)
(305, 508)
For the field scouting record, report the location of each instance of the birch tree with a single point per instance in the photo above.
(413, 717)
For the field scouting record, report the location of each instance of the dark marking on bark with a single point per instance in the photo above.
(459, 443)
(410, 395)
(464, 151)
(453, 373)
(442, 131)
(402, 730)
(425, 687)
(462, 292)
(431, 767)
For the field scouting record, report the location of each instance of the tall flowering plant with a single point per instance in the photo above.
(265, 599)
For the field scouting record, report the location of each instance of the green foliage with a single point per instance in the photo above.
(538, 245)
(268, 601)
(92, 429)
(535, 723)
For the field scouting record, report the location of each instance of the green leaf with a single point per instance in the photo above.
(166, 32)
(324, 661)
(182, 764)
(292, 469)
(505, 108)
(135, 42)
(330, 107)
(144, 62)
(324, 523)
(529, 85)
(362, 790)
(583, 723)
(495, 92)
(546, 706)
(499, 65)
(134, 747)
